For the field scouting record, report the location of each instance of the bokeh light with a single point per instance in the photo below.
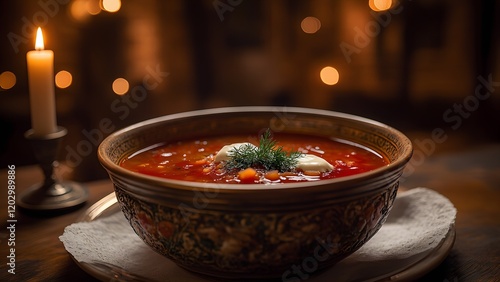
(82, 9)
(63, 79)
(7, 80)
(380, 5)
(111, 5)
(120, 86)
(310, 25)
(77, 10)
(329, 75)
(93, 7)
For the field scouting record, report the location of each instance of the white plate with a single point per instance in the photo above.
(401, 270)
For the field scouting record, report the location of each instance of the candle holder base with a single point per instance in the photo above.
(52, 194)
(58, 196)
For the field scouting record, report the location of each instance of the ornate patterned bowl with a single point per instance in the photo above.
(230, 231)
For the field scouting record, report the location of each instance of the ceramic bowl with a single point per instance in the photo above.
(232, 231)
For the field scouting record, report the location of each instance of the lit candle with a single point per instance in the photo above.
(41, 87)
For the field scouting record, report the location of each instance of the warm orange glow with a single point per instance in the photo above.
(93, 7)
(380, 5)
(120, 86)
(39, 40)
(7, 80)
(329, 75)
(63, 79)
(111, 5)
(310, 25)
(82, 9)
(78, 10)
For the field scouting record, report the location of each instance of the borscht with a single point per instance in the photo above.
(267, 159)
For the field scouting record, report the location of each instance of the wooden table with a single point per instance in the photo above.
(469, 178)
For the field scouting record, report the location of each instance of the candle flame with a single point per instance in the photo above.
(39, 40)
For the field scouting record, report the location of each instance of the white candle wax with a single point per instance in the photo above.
(41, 87)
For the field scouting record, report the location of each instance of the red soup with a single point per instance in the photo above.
(193, 160)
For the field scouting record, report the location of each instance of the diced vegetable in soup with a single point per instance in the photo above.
(281, 158)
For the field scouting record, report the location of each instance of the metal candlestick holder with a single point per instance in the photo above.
(51, 194)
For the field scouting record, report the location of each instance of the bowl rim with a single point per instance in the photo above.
(387, 170)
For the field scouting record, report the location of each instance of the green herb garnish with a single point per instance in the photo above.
(266, 156)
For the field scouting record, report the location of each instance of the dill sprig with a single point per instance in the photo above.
(267, 156)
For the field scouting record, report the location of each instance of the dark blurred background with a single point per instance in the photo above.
(416, 65)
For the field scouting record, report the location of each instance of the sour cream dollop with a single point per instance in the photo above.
(313, 163)
(224, 153)
(306, 162)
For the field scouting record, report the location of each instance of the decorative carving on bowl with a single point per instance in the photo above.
(211, 242)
